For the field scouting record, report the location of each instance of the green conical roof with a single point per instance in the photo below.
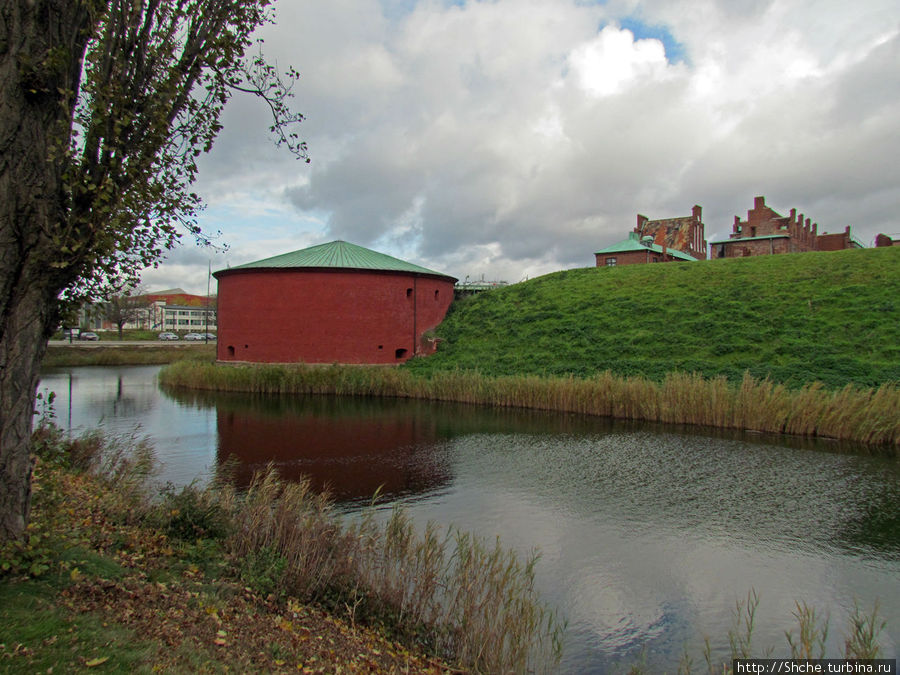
(338, 255)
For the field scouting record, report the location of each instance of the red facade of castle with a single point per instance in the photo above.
(328, 313)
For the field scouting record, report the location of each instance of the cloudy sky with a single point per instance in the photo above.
(511, 138)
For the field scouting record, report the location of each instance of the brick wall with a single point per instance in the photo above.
(685, 234)
(740, 248)
(326, 316)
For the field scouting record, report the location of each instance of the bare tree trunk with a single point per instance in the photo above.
(42, 45)
(22, 345)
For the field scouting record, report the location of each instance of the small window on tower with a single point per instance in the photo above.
(408, 292)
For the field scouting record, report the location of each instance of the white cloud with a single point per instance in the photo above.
(514, 137)
(614, 61)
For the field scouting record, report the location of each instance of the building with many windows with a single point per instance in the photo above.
(183, 318)
(176, 310)
(172, 310)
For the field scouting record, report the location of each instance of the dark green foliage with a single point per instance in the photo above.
(191, 514)
(52, 444)
(831, 317)
(262, 569)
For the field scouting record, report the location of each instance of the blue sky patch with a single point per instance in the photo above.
(675, 52)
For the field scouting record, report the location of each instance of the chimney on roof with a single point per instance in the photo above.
(759, 203)
(641, 221)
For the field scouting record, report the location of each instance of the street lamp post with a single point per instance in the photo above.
(206, 313)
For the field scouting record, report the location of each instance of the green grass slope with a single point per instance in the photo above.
(832, 317)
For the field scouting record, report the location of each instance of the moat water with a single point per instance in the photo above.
(648, 535)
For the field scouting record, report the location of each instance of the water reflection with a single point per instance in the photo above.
(351, 447)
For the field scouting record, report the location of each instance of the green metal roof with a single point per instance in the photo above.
(634, 244)
(338, 255)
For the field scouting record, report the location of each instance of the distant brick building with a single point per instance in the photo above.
(685, 234)
(838, 241)
(767, 232)
(887, 240)
(664, 240)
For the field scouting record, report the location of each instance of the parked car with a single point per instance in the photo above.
(88, 335)
(195, 337)
(209, 336)
(168, 336)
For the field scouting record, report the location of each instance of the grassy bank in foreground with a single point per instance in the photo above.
(118, 577)
(863, 415)
(831, 317)
(124, 354)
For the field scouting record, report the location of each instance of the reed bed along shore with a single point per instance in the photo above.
(124, 354)
(853, 413)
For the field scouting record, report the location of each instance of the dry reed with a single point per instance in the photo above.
(863, 415)
(468, 603)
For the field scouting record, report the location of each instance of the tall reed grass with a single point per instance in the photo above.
(858, 414)
(124, 353)
(470, 603)
(861, 638)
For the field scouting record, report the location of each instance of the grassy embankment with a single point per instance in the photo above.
(799, 344)
(794, 319)
(114, 578)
